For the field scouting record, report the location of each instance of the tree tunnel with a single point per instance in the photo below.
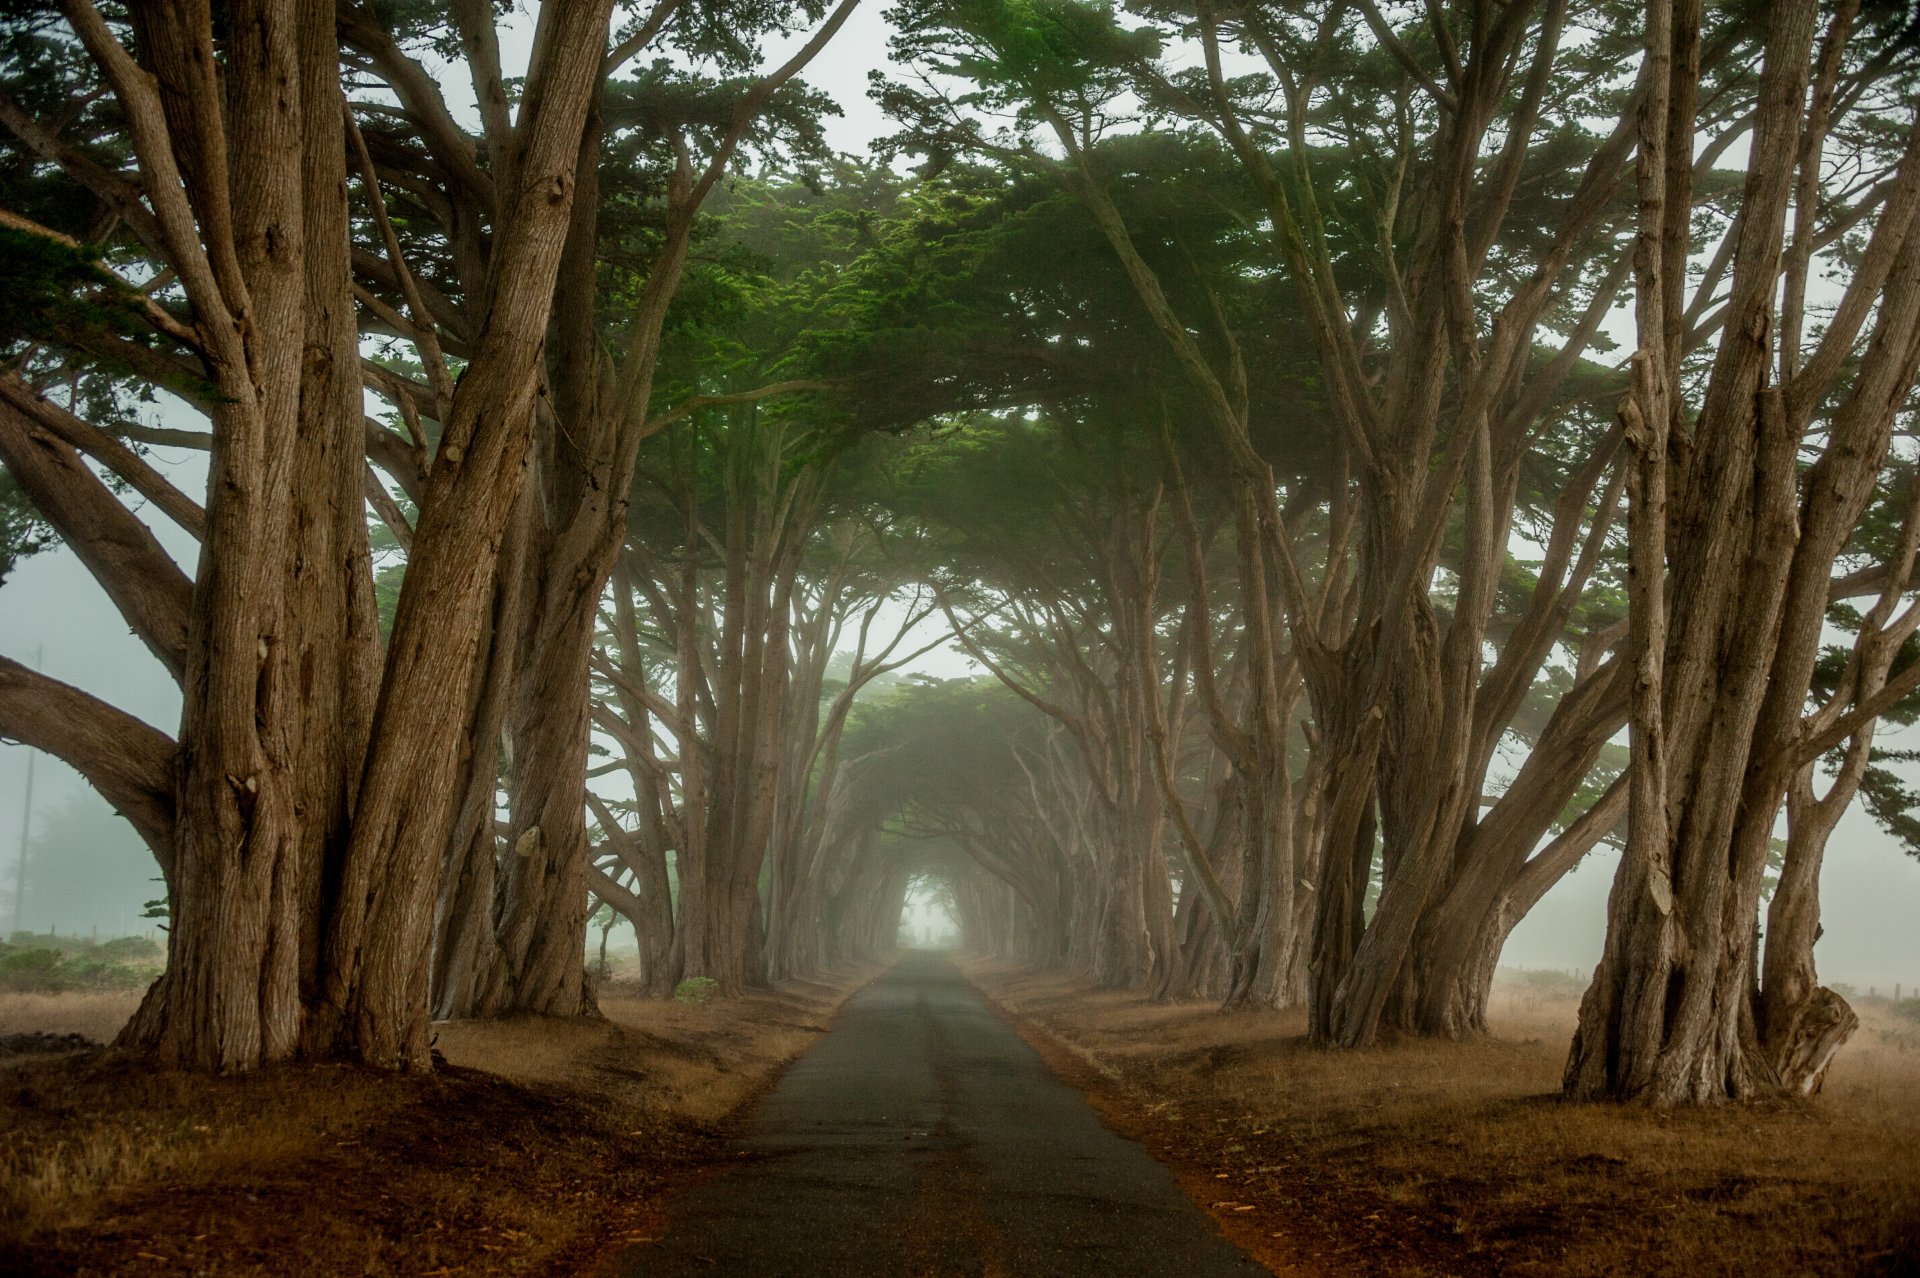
(1297, 492)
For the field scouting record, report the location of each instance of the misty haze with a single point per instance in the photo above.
(1003, 637)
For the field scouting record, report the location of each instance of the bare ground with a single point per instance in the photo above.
(1460, 1159)
(540, 1147)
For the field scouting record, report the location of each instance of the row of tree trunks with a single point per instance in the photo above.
(1392, 690)
(586, 438)
(753, 811)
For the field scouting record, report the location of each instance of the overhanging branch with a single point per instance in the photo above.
(127, 760)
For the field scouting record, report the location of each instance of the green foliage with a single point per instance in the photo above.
(1015, 57)
(35, 964)
(941, 752)
(158, 908)
(697, 990)
(991, 291)
(50, 289)
(24, 969)
(389, 565)
(22, 532)
(56, 294)
(1891, 799)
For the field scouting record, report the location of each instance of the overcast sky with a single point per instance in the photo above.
(1870, 889)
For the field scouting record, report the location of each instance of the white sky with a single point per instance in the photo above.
(1871, 889)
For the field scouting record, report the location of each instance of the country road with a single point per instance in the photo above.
(921, 1136)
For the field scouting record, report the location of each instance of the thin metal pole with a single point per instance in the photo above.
(26, 824)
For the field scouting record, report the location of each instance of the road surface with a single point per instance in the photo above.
(923, 1137)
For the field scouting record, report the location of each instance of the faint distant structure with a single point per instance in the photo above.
(26, 825)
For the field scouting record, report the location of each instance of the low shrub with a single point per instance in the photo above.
(696, 989)
(25, 968)
(36, 968)
(131, 949)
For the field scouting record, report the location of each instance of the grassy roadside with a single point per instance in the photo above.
(1459, 1159)
(540, 1147)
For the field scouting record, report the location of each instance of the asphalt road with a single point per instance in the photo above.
(923, 1137)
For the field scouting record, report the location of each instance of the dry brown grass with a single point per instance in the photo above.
(1459, 1158)
(540, 1145)
(697, 1062)
(98, 1016)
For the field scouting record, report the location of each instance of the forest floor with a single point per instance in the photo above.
(539, 1146)
(1459, 1159)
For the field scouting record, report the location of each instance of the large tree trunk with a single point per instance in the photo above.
(274, 710)
(588, 461)
(310, 817)
(468, 967)
(1345, 863)
(1460, 938)
(541, 925)
(543, 922)
(1677, 1013)
(379, 938)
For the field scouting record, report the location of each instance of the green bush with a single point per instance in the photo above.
(131, 949)
(24, 968)
(127, 963)
(696, 989)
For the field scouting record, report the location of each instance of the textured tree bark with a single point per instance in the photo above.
(269, 637)
(586, 460)
(1459, 942)
(1460, 956)
(643, 852)
(1346, 863)
(128, 761)
(542, 927)
(375, 996)
(728, 795)
(1203, 963)
(245, 867)
(330, 619)
(1643, 893)
(469, 971)
(1443, 404)
(1676, 1013)
(120, 551)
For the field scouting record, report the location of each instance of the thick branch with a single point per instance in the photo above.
(693, 404)
(128, 761)
(104, 448)
(121, 552)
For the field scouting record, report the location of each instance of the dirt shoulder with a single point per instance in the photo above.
(540, 1146)
(1459, 1159)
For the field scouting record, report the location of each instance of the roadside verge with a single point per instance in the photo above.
(1436, 1158)
(539, 1146)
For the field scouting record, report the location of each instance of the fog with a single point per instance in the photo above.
(87, 869)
